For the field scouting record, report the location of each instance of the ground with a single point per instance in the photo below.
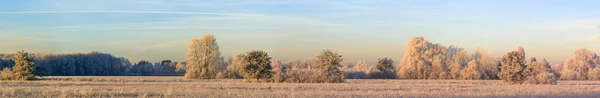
(172, 86)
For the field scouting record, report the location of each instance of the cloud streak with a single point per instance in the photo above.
(118, 12)
(165, 45)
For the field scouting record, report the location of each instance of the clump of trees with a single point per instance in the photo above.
(516, 70)
(256, 65)
(356, 71)
(426, 60)
(582, 66)
(540, 72)
(383, 70)
(22, 70)
(163, 68)
(234, 65)
(204, 60)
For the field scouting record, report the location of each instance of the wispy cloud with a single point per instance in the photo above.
(197, 20)
(116, 12)
(586, 39)
(165, 45)
(579, 24)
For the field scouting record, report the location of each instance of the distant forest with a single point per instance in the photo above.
(94, 64)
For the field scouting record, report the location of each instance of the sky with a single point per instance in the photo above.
(156, 30)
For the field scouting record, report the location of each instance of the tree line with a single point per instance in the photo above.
(422, 60)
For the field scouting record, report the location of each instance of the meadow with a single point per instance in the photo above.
(177, 86)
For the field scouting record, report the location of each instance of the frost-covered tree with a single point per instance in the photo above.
(594, 74)
(23, 69)
(278, 70)
(203, 58)
(540, 72)
(577, 67)
(472, 71)
(513, 67)
(488, 65)
(256, 65)
(234, 65)
(459, 61)
(180, 67)
(439, 67)
(356, 71)
(361, 66)
(329, 63)
(426, 60)
(417, 60)
(383, 70)
(142, 68)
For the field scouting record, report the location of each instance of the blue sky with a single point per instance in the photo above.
(360, 30)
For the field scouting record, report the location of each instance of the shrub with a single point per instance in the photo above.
(6, 74)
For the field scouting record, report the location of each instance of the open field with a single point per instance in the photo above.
(172, 86)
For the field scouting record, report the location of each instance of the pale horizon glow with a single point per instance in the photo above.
(156, 30)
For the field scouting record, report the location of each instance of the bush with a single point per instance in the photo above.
(6, 74)
(303, 76)
(324, 69)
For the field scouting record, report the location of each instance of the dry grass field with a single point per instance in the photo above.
(169, 86)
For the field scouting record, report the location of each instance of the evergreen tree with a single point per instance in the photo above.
(256, 65)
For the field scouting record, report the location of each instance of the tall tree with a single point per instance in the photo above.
(203, 58)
